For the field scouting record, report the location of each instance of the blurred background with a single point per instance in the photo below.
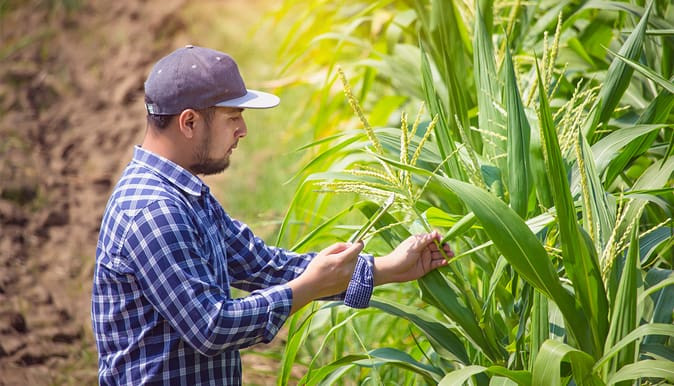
(71, 109)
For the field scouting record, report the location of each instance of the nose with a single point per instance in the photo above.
(242, 130)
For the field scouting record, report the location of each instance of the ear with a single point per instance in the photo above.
(187, 121)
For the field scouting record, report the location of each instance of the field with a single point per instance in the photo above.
(536, 136)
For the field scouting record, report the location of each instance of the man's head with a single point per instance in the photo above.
(194, 99)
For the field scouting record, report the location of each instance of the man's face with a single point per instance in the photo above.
(220, 136)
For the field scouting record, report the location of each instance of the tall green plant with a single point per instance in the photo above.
(549, 168)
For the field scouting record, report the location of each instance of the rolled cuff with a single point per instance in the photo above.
(359, 291)
(279, 299)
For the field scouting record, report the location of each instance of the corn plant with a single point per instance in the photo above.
(546, 160)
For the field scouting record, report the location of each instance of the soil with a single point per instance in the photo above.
(71, 83)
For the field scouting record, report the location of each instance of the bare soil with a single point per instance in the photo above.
(70, 111)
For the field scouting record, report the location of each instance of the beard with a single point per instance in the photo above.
(204, 164)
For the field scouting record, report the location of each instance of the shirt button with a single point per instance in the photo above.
(189, 46)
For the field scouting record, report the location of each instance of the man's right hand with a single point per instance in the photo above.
(327, 274)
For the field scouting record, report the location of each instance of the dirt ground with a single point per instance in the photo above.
(70, 110)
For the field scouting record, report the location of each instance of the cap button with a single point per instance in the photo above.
(189, 46)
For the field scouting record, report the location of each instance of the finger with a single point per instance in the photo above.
(335, 248)
(433, 247)
(431, 240)
(352, 251)
(437, 255)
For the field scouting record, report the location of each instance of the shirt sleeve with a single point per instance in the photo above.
(360, 288)
(253, 265)
(163, 248)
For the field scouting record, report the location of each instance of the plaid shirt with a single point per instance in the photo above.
(167, 254)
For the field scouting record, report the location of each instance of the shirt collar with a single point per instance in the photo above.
(173, 172)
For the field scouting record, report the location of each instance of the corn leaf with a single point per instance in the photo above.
(519, 169)
(581, 264)
(549, 362)
(449, 38)
(641, 331)
(618, 75)
(608, 148)
(661, 291)
(486, 82)
(599, 216)
(645, 369)
(442, 131)
(461, 376)
(539, 174)
(298, 331)
(437, 291)
(540, 326)
(657, 112)
(323, 226)
(656, 176)
(624, 307)
(443, 339)
(377, 357)
(647, 72)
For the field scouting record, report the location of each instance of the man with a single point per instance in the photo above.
(168, 253)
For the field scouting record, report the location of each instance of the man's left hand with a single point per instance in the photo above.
(412, 259)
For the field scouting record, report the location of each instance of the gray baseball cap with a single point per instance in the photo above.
(196, 78)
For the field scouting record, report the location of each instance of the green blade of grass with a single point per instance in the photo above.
(324, 225)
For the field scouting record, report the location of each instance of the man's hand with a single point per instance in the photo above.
(412, 259)
(328, 274)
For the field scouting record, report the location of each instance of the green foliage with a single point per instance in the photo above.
(546, 162)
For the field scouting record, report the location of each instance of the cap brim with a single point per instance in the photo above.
(252, 100)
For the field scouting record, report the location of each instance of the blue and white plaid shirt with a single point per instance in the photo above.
(167, 254)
